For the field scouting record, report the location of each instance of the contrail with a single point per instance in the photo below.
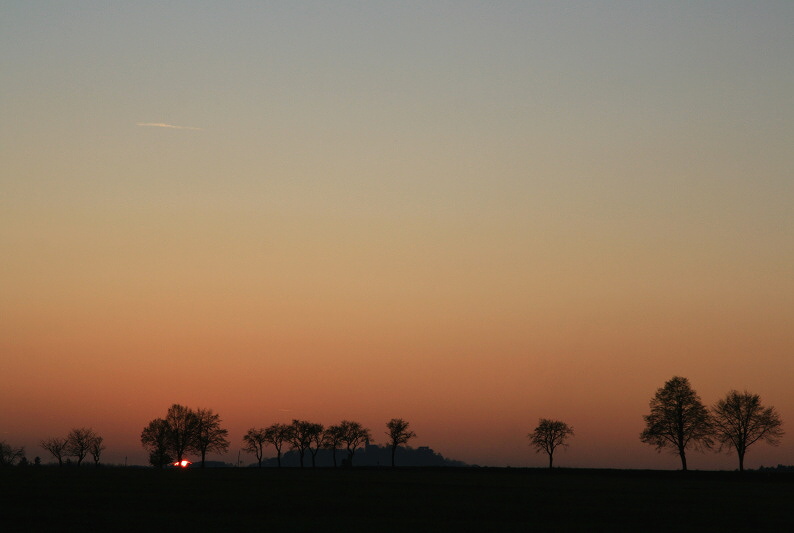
(161, 125)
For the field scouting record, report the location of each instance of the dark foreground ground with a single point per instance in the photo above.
(374, 500)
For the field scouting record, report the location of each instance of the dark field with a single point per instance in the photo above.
(450, 499)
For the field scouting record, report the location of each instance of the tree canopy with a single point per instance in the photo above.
(740, 420)
(398, 433)
(678, 420)
(183, 431)
(549, 435)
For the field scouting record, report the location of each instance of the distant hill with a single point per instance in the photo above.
(212, 464)
(778, 468)
(369, 455)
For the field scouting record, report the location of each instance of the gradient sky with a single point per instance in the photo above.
(466, 214)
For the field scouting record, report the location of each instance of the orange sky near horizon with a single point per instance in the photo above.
(469, 216)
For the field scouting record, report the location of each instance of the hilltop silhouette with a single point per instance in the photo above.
(372, 455)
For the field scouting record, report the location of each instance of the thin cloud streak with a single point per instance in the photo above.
(172, 126)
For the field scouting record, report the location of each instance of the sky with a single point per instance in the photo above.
(470, 215)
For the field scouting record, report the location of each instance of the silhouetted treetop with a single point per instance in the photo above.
(57, 446)
(184, 431)
(740, 420)
(678, 420)
(548, 436)
(398, 433)
(10, 455)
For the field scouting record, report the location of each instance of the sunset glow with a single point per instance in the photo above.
(469, 215)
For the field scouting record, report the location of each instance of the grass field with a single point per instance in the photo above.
(450, 499)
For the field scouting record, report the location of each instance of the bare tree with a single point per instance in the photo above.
(79, 443)
(315, 433)
(95, 448)
(548, 436)
(300, 437)
(678, 420)
(398, 433)
(57, 447)
(353, 435)
(332, 440)
(210, 437)
(277, 435)
(740, 421)
(9, 455)
(254, 442)
(156, 438)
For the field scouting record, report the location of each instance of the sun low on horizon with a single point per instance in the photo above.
(467, 215)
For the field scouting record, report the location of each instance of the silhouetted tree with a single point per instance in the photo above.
(353, 435)
(254, 442)
(315, 434)
(210, 437)
(398, 433)
(9, 455)
(277, 435)
(548, 436)
(740, 420)
(156, 439)
(678, 420)
(79, 443)
(300, 437)
(96, 447)
(57, 447)
(182, 430)
(332, 440)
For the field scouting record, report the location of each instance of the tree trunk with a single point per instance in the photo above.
(741, 461)
(551, 460)
(334, 454)
(393, 450)
(681, 444)
(203, 455)
(278, 458)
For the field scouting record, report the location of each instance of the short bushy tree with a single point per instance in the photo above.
(10, 455)
(549, 435)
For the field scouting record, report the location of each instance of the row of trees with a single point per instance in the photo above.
(679, 421)
(79, 443)
(182, 431)
(303, 436)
